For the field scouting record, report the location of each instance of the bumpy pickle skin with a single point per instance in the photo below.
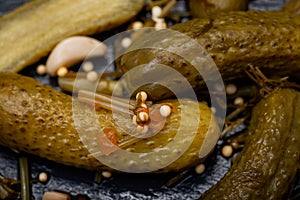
(268, 164)
(270, 40)
(38, 119)
(292, 6)
(30, 32)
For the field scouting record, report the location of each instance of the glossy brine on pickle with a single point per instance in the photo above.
(31, 31)
(268, 165)
(269, 40)
(38, 119)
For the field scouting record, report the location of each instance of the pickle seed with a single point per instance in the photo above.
(231, 89)
(199, 169)
(227, 151)
(41, 69)
(143, 116)
(62, 71)
(142, 96)
(165, 110)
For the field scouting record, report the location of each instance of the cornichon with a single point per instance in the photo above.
(270, 40)
(39, 120)
(268, 164)
(31, 31)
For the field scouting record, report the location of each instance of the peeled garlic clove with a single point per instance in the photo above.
(72, 50)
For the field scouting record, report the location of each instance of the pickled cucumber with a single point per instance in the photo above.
(39, 120)
(269, 40)
(31, 31)
(268, 164)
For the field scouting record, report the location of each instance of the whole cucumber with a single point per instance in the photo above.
(268, 164)
(39, 120)
(269, 40)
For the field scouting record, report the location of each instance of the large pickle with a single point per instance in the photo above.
(270, 40)
(39, 120)
(268, 164)
(32, 30)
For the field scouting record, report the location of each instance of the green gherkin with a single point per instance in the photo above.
(40, 120)
(268, 164)
(31, 31)
(269, 40)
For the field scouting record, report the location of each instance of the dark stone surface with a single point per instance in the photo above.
(120, 186)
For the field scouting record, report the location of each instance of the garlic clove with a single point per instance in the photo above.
(72, 50)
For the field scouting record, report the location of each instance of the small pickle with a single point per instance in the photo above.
(39, 120)
(270, 40)
(31, 31)
(268, 164)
